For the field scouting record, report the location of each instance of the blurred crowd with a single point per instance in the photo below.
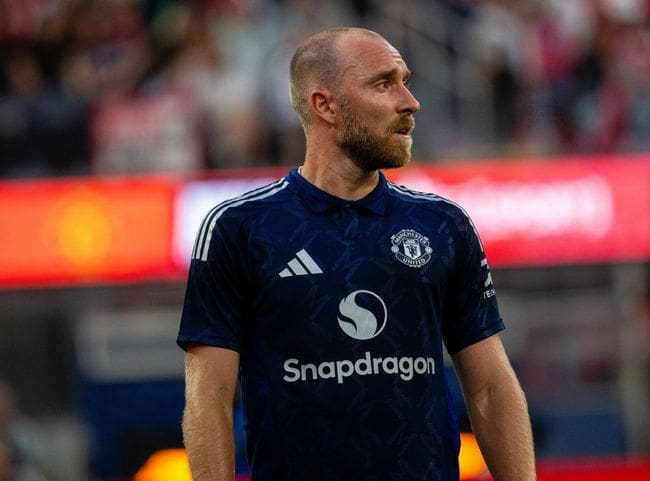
(119, 86)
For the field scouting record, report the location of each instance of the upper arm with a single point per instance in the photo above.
(216, 296)
(471, 311)
(211, 375)
(482, 365)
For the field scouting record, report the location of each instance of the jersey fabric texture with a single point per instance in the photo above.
(340, 311)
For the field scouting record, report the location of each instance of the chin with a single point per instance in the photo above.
(387, 155)
(390, 162)
(397, 164)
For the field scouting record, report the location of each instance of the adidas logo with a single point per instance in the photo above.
(301, 265)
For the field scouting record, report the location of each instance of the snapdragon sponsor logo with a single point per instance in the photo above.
(361, 322)
(405, 367)
(362, 315)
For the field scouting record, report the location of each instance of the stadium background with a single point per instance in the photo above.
(122, 121)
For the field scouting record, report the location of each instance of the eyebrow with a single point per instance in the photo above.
(391, 73)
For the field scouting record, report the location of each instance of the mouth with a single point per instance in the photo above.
(404, 133)
(405, 127)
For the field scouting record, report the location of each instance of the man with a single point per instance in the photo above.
(331, 293)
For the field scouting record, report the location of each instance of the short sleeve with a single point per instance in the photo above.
(213, 310)
(471, 308)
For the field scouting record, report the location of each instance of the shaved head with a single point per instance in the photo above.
(318, 62)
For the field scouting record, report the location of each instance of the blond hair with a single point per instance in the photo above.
(317, 62)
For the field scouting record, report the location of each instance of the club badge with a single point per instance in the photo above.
(411, 248)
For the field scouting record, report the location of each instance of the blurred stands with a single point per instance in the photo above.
(120, 86)
(103, 87)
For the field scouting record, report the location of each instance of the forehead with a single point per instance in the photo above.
(366, 56)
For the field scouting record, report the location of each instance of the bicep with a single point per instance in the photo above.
(211, 374)
(471, 311)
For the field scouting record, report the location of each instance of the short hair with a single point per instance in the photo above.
(317, 61)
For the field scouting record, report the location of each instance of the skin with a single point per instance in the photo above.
(372, 101)
(374, 86)
(210, 386)
(497, 410)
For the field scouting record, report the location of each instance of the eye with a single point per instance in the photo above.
(383, 84)
(406, 82)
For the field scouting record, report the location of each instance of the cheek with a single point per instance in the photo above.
(378, 122)
(372, 107)
(380, 113)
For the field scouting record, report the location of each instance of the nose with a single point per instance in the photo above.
(409, 103)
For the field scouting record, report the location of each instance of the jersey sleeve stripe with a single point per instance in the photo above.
(217, 212)
(200, 238)
(435, 198)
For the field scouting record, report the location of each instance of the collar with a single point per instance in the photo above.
(319, 201)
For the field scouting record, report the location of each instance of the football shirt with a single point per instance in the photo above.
(340, 311)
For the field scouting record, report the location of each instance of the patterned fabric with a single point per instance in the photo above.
(340, 311)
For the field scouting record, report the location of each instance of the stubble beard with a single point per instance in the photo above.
(369, 150)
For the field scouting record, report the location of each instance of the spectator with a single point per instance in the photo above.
(41, 130)
(552, 77)
(224, 95)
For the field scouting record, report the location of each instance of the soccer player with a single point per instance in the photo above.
(331, 294)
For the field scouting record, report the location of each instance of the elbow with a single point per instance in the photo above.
(506, 394)
(203, 411)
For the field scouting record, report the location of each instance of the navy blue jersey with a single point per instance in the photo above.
(340, 311)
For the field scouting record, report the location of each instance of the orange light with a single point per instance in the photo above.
(173, 464)
(85, 230)
(82, 230)
(165, 465)
(470, 458)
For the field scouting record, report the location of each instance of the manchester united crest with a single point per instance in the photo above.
(411, 248)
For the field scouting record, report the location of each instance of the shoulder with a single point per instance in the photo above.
(440, 209)
(250, 203)
(229, 217)
(434, 203)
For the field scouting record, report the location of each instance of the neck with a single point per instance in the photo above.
(340, 178)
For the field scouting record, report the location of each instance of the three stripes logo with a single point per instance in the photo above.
(301, 265)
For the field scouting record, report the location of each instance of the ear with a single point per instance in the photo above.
(324, 105)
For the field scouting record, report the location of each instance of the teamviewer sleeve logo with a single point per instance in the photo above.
(362, 322)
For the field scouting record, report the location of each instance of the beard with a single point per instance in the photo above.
(370, 150)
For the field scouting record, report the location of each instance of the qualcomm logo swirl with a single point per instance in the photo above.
(359, 322)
